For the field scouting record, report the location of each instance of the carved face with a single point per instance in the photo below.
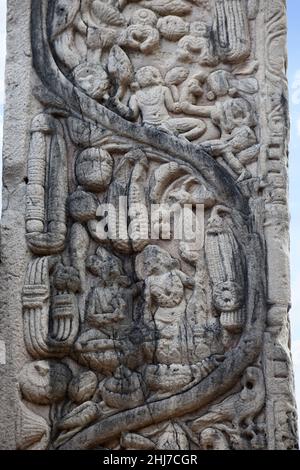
(104, 265)
(149, 76)
(194, 87)
(166, 290)
(154, 261)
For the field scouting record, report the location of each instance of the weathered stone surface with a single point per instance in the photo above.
(120, 333)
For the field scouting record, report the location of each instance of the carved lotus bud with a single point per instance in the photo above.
(82, 206)
(94, 168)
(82, 387)
(32, 431)
(144, 16)
(44, 382)
(172, 27)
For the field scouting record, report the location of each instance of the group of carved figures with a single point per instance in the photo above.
(200, 94)
(135, 326)
(118, 324)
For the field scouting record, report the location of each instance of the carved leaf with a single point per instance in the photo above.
(63, 15)
(119, 65)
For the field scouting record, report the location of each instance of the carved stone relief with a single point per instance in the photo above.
(136, 341)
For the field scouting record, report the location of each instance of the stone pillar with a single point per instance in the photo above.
(120, 329)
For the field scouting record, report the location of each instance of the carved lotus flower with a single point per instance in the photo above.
(228, 296)
(144, 16)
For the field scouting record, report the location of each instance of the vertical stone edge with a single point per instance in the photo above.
(18, 107)
(281, 412)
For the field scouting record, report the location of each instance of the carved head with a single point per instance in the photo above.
(240, 112)
(194, 87)
(199, 29)
(94, 169)
(105, 266)
(154, 261)
(176, 76)
(93, 80)
(149, 76)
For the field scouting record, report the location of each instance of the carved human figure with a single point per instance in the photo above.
(165, 304)
(81, 30)
(106, 304)
(197, 47)
(238, 142)
(142, 34)
(154, 103)
(109, 306)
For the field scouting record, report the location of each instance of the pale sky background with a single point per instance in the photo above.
(294, 81)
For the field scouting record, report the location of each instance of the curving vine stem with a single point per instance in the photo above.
(89, 110)
(237, 360)
(215, 385)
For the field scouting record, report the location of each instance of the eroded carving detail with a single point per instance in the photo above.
(140, 341)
